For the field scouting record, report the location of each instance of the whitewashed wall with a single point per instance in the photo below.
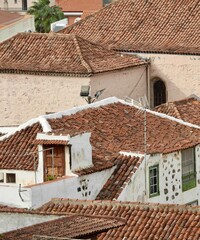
(13, 221)
(181, 73)
(26, 96)
(83, 187)
(23, 25)
(170, 181)
(121, 83)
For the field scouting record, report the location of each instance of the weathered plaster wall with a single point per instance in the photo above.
(181, 73)
(18, 5)
(26, 96)
(23, 25)
(84, 187)
(170, 181)
(129, 82)
(22, 177)
(13, 221)
(81, 151)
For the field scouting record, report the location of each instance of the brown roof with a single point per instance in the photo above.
(8, 18)
(126, 166)
(144, 26)
(71, 226)
(50, 142)
(143, 220)
(60, 53)
(187, 109)
(79, 5)
(114, 125)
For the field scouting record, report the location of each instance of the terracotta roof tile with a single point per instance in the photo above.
(125, 168)
(187, 109)
(8, 17)
(79, 5)
(17, 151)
(60, 54)
(71, 226)
(50, 142)
(114, 127)
(144, 26)
(143, 221)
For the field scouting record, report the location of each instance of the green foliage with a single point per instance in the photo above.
(45, 15)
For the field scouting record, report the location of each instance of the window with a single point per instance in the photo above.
(154, 181)
(159, 92)
(10, 178)
(1, 177)
(15, 1)
(188, 169)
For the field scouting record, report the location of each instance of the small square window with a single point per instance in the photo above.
(10, 178)
(154, 181)
(1, 177)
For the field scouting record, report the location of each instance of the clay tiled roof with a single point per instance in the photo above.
(60, 54)
(125, 168)
(17, 151)
(143, 221)
(8, 18)
(144, 26)
(79, 5)
(50, 142)
(71, 226)
(114, 126)
(187, 109)
(119, 127)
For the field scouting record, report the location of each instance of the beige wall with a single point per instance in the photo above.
(181, 73)
(121, 83)
(26, 96)
(18, 4)
(24, 25)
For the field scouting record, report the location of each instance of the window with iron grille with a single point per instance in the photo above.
(154, 181)
(188, 169)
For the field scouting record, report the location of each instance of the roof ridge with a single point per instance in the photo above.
(162, 115)
(144, 205)
(84, 62)
(41, 120)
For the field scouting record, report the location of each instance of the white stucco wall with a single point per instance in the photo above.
(81, 151)
(24, 25)
(170, 181)
(84, 187)
(181, 73)
(121, 83)
(26, 96)
(13, 221)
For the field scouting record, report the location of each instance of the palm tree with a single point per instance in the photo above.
(45, 15)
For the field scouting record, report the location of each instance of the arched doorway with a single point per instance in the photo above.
(159, 92)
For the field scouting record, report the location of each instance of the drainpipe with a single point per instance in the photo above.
(148, 81)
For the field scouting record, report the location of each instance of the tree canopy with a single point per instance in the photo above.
(45, 15)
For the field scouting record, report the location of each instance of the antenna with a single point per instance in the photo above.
(143, 105)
